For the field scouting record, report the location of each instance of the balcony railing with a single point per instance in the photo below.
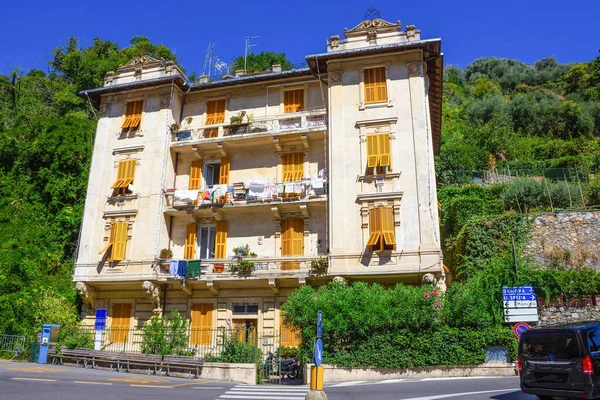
(261, 266)
(303, 120)
(247, 193)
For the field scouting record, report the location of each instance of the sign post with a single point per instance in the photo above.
(520, 304)
(316, 382)
(99, 326)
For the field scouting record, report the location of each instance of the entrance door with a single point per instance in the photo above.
(120, 324)
(201, 330)
(245, 330)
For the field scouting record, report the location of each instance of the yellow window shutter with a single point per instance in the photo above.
(120, 175)
(221, 240)
(201, 329)
(111, 240)
(387, 226)
(189, 250)
(374, 226)
(286, 237)
(136, 116)
(119, 238)
(289, 335)
(224, 171)
(195, 175)
(385, 155)
(372, 151)
(369, 85)
(215, 112)
(128, 115)
(128, 172)
(298, 159)
(298, 237)
(293, 100)
(288, 167)
(375, 85)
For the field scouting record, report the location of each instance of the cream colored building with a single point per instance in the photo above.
(331, 163)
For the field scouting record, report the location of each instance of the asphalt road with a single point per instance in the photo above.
(26, 381)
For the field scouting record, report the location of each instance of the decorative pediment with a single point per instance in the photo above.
(367, 27)
(143, 62)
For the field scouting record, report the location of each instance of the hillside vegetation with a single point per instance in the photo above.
(497, 113)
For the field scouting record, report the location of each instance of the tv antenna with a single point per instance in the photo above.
(212, 61)
(247, 49)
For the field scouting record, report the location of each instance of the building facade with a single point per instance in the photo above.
(263, 182)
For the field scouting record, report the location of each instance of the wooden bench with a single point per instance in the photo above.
(124, 361)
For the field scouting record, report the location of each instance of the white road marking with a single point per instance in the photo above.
(348, 383)
(207, 387)
(446, 396)
(245, 396)
(266, 392)
(392, 381)
(93, 383)
(35, 379)
(454, 378)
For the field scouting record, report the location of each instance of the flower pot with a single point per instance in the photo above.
(218, 268)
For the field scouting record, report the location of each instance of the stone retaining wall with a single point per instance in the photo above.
(560, 314)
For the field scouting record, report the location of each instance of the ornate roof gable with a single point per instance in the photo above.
(143, 62)
(368, 27)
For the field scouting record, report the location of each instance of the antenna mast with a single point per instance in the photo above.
(247, 50)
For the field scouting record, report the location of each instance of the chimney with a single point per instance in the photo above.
(239, 72)
(276, 67)
(203, 79)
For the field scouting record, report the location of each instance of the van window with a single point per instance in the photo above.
(550, 345)
(594, 340)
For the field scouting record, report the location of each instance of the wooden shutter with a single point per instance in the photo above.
(111, 241)
(372, 151)
(298, 238)
(118, 235)
(189, 250)
(119, 328)
(133, 115)
(293, 100)
(195, 175)
(375, 88)
(120, 175)
(289, 336)
(287, 167)
(224, 171)
(215, 112)
(221, 240)
(387, 226)
(201, 330)
(385, 155)
(287, 233)
(128, 172)
(298, 166)
(374, 227)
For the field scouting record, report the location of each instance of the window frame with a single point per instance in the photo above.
(132, 121)
(363, 104)
(211, 119)
(125, 176)
(287, 108)
(205, 237)
(116, 228)
(382, 230)
(205, 174)
(375, 162)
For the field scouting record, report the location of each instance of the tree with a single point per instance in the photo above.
(261, 62)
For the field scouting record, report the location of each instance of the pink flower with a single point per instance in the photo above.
(437, 303)
(426, 295)
(315, 298)
(435, 292)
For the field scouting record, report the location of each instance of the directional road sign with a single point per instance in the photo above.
(318, 352)
(319, 324)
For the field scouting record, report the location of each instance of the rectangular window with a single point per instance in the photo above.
(379, 156)
(201, 329)
(125, 175)
(381, 229)
(117, 241)
(293, 166)
(293, 101)
(133, 116)
(120, 324)
(212, 175)
(224, 171)
(292, 241)
(244, 309)
(375, 85)
(215, 112)
(221, 240)
(244, 330)
(208, 235)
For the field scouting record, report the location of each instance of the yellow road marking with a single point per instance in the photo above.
(35, 379)
(93, 383)
(154, 386)
(36, 369)
(191, 384)
(138, 380)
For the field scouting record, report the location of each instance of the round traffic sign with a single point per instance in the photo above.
(519, 328)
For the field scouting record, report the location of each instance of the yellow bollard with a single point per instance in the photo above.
(316, 377)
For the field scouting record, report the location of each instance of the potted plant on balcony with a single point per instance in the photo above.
(319, 266)
(174, 127)
(218, 268)
(243, 267)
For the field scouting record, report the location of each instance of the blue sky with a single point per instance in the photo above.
(527, 30)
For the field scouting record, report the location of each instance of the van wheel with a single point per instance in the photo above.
(545, 397)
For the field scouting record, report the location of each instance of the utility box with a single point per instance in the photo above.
(49, 336)
(316, 377)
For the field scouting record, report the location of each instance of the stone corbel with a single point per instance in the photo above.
(217, 214)
(221, 149)
(186, 289)
(429, 279)
(276, 213)
(414, 69)
(304, 211)
(273, 286)
(396, 214)
(212, 286)
(304, 139)
(87, 293)
(302, 280)
(154, 293)
(277, 144)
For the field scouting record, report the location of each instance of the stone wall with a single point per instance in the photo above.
(551, 315)
(569, 239)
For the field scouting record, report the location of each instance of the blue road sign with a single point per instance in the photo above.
(318, 352)
(519, 328)
(518, 290)
(319, 324)
(100, 323)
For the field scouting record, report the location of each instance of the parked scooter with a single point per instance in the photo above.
(289, 367)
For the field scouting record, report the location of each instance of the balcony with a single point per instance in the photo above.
(283, 124)
(248, 194)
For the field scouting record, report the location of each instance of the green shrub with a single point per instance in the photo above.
(73, 337)
(164, 336)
